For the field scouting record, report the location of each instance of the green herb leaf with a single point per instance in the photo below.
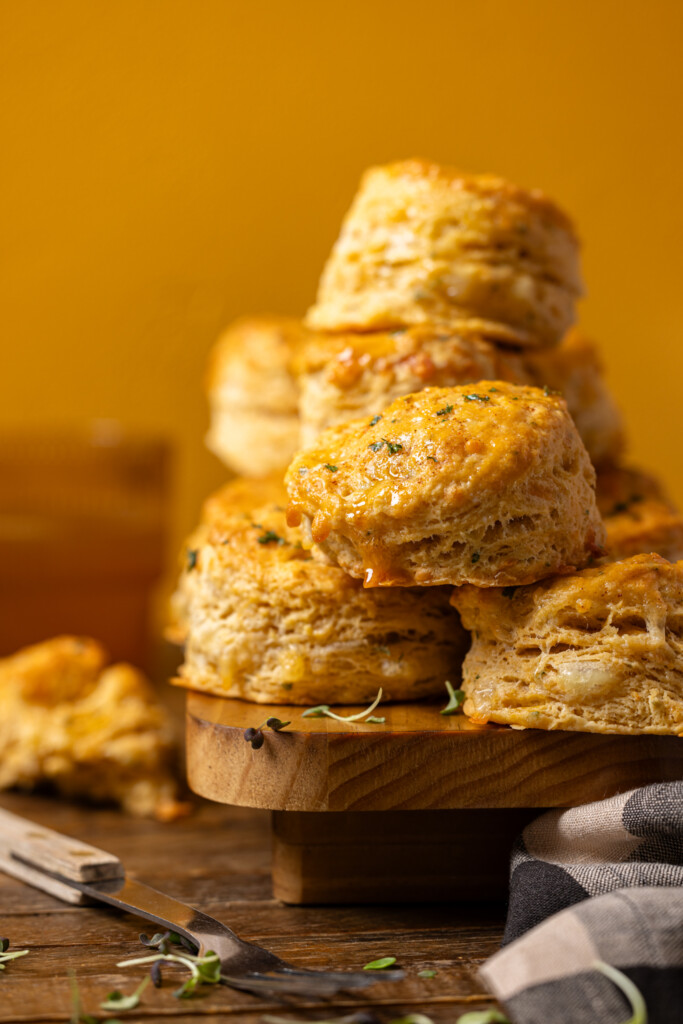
(204, 970)
(379, 965)
(323, 711)
(494, 389)
(426, 974)
(632, 993)
(270, 537)
(117, 1001)
(483, 1017)
(393, 447)
(4, 945)
(445, 411)
(332, 469)
(433, 458)
(191, 559)
(374, 420)
(319, 711)
(474, 397)
(456, 698)
(276, 725)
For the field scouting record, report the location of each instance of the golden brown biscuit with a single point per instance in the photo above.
(575, 369)
(265, 622)
(253, 395)
(597, 651)
(487, 484)
(424, 244)
(86, 729)
(639, 516)
(346, 376)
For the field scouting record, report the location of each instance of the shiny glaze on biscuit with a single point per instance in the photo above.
(441, 446)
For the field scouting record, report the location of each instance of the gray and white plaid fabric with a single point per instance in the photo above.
(602, 882)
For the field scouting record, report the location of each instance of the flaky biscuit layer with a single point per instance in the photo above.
(489, 485)
(253, 394)
(424, 244)
(597, 651)
(87, 729)
(264, 621)
(638, 514)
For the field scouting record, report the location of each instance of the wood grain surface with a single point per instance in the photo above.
(219, 860)
(417, 760)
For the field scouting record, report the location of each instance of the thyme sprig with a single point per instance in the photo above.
(256, 737)
(323, 711)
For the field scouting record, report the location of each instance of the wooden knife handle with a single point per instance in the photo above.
(42, 850)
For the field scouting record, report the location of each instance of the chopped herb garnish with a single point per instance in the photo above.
(456, 698)
(494, 389)
(5, 957)
(270, 537)
(204, 970)
(379, 965)
(622, 506)
(474, 397)
(433, 458)
(332, 469)
(117, 1001)
(632, 993)
(426, 974)
(445, 411)
(483, 1017)
(256, 737)
(77, 1015)
(323, 711)
(375, 419)
(393, 446)
(191, 559)
(508, 591)
(550, 391)
(475, 557)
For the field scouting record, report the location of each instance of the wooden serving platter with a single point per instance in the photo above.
(452, 794)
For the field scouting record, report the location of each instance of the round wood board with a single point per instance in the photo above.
(417, 760)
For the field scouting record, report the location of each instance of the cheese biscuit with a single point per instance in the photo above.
(600, 650)
(487, 484)
(262, 620)
(424, 244)
(253, 395)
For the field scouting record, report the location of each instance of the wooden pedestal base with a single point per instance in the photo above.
(394, 856)
(421, 808)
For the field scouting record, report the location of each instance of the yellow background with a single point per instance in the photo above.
(168, 164)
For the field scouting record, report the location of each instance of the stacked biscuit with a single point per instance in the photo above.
(443, 422)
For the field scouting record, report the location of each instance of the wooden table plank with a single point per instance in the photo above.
(219, 859)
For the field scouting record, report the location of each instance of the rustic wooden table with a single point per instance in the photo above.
(219, 860)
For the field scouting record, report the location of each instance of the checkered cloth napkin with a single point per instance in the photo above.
(598, 884)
